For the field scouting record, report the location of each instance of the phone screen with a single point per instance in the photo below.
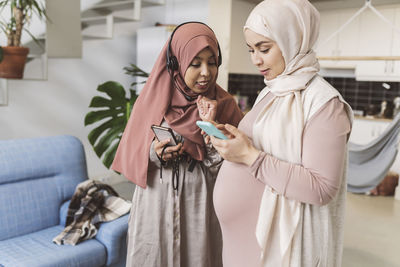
(163, 133)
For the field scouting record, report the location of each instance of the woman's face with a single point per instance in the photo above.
(265, 54)
(201, 72)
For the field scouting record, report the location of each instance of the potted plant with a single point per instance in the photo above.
(14, 55)
(113, 113)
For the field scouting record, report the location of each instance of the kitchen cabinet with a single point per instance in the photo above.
(375, 36)
(396, 34)
(383, 70)
(366, 35)
(388, 42)
(345, 43)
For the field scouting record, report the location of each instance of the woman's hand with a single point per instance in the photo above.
(170, 152)
(220, 127)
(207, 108)
(238, 148)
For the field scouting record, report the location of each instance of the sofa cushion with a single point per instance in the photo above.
(36, 176)
(32, 158)
(38, 250)
(28, 206)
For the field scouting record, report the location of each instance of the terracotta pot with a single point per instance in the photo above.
(13, 63)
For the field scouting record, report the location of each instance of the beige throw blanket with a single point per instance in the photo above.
(92, 203)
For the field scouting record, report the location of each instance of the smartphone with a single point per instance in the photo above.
(163, 133)
(210, 129)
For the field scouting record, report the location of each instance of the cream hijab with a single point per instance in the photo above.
(294, 26)
(278, 129)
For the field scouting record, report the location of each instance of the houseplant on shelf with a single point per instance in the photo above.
(113, 113)
(14, 55)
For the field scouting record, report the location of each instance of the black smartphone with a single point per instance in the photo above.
(163, 133)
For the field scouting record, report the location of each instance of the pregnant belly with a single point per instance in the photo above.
(237, 195)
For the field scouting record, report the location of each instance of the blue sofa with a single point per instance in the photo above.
(37, 178)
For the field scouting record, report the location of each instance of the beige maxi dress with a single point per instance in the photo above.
(169, 228)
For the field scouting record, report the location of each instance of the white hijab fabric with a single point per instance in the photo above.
(278, 129)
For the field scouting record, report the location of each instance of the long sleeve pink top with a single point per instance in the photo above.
(317, 179)
(238, 190)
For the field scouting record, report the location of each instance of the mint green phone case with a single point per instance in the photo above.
(210, 129)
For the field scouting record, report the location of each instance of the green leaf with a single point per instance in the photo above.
(136, 83)
(35, 40)
(107, 139)
(113, 113)
(109, 155)
(135, 71)
(113, 89)
(39, 9)
(1, 53)
(100, 102)
(95, 116)
(96, 132)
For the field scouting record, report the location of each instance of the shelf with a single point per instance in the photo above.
(99, 20)
(36, 67)
(33, 56)
(112, 4)
(88, 37)
(60, 41)
(118, 4)
(106, 21)
(147, 3)
(98, 13)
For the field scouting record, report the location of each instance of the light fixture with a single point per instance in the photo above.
(386, 86)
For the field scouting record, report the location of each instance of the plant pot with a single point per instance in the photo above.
(13, 63)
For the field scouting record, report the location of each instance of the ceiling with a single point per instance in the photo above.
(335, 4)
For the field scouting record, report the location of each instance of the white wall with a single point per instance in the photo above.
(178, 11)
(151, 40)
(239, 56)
(59, 105)
(220, 15)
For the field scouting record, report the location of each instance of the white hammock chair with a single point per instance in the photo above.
(369, 163)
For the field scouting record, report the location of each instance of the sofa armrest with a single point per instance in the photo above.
(64, 212)
(113, 236)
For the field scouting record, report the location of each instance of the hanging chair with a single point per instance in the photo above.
(369, 163)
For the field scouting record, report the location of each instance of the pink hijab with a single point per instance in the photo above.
(160, 100)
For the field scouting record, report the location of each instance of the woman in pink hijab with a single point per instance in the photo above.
(172, 221)
(280, 193)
